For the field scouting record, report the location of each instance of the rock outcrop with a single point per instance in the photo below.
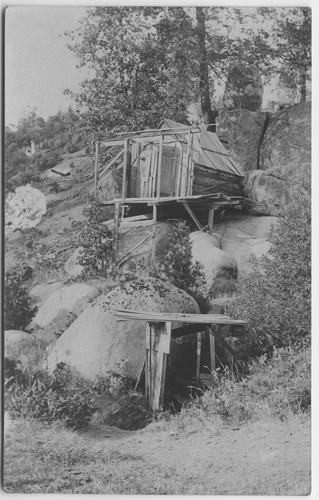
(63, 306)
(24, 208)
(287, 141)
(241, 131)
(42, 291)
(244, 88)
(219, 267)
(271, 193)
(96, 343)
(285, 160)
(243, 237)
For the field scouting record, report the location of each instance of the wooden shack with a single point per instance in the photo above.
(193, 162)
(171, 171)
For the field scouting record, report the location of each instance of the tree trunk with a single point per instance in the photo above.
(302, 87)
(209, 116)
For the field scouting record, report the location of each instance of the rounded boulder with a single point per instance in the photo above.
(219, 267)
(63, 304)
(96, 343)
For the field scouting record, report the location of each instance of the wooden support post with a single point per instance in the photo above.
(198, 356)
(158, 336)
(159, 169)
(116, 234)
(154, 231)
(211, 220)
(96, 168)
(212, 350)
(188, 180)
(124, 171)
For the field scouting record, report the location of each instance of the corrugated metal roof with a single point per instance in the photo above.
(213, 154)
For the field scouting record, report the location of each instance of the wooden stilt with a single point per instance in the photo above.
(154, 231)
(198, 356)
(212, 350)
(96, 168)
(211, 220)
(158, 336)
(159, 169)
(124, 171)
(116, 234)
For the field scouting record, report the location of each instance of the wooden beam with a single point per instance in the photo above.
(158, 337)
(154, 232)
(210, 220)
(193, 216)
(159, 169)
(136, 247)
(109, 165)
(96, 167)
(187, 164)
(124, 171)
(212, 350)
(198, 356)
(115, 235)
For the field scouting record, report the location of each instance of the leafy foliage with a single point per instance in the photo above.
(59, 134)
(96, 240)
(275, 298)
(274, 388)
(175, 265)
(18, 308)
(62, 396)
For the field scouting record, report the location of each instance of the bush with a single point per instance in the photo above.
(274, 388)
(175, 265)
(18, 308)
(96, 241)
(275, 298)
(62, 396)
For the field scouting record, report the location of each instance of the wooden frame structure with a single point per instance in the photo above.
(160, 331)
(175, 175)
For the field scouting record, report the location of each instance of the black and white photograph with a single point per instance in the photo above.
(157, 242)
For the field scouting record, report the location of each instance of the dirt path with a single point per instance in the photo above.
(262, 458)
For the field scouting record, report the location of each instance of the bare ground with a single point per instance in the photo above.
(261, 458)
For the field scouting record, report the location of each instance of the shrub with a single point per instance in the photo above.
(18, 308)
(274, 388)
(175, 265)
(275, 298)
(96, 241)
(61, 396)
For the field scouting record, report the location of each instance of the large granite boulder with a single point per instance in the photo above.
(271, 193)
(96, 343)
(39, 293)
(24, 208)
(244, 88)
(244, 236)
(64, 305)
(219, 267)
(287, 141)
(241, 132)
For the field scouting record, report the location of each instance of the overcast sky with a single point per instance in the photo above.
(38, 65)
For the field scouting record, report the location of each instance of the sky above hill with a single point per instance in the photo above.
(38, 65)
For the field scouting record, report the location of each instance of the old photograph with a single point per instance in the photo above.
(157, 250)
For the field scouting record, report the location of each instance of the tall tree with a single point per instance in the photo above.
(204, 90)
